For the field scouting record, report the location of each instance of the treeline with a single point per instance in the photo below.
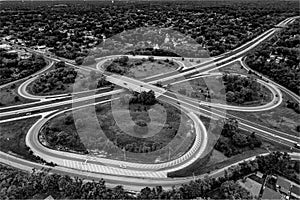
(88, 60)
(55, 79)
(61, 138)
(12, 67)
(73, 29)
(153, 52)
(241, 89)
(16, 184)
(91, 81)
(279, 58)
(218, 28)
(63, 134)
(233, 141)
(119, 65)
(38, 159)
(139, 114)
(145, 98)
(293, 105)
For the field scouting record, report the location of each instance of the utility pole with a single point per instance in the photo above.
(124, 154)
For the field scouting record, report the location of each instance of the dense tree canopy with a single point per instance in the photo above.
(241, 89)
(234, 141)
(55, 79)
(279, 58)
(71, 30)
(39, 184)
(13, 66)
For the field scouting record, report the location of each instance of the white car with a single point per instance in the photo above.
(297, 145)
(123, 166)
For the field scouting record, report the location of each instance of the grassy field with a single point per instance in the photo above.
(143, 68)
(9, 96)
(12, 137)
(252, 186)
(280, 118)
(192, 61)
(217, 160)
(214, 164)
(148, 68)
(197, 88)
(233, 68)
(113, 135)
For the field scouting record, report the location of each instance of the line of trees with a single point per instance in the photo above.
(293, 105)
(139, 114)
(56, 79)
(119, 65)
(153, 52)
(17, 184)
(62, 139)
(73, 29)
(241, 89)
(279, 58)
(145, 98)
(12, 67)
(233, 141)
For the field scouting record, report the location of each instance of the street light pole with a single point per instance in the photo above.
(124, 154)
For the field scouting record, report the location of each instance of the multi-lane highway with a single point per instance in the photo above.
(138, 175)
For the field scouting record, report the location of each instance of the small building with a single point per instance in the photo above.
(5, 46)
(41, 47)
(49, 198)
(24, 56)
(7, 38)
(259, 174)
(12, 52)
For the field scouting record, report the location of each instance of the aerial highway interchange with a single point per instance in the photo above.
(135, 176)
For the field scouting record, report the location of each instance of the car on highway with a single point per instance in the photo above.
(297, 145)
(123, 166)
(29, 113)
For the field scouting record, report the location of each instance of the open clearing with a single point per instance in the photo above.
(280, 118)
(105, 135)
(9, 96)
(148, 68)
(143, 68)
(200, 87)
(12, 137)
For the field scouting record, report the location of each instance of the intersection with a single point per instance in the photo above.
(50, 106)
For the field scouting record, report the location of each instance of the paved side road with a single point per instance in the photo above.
(135, 184)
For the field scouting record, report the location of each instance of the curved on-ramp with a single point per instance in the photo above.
(276, 100)
(115, 167)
